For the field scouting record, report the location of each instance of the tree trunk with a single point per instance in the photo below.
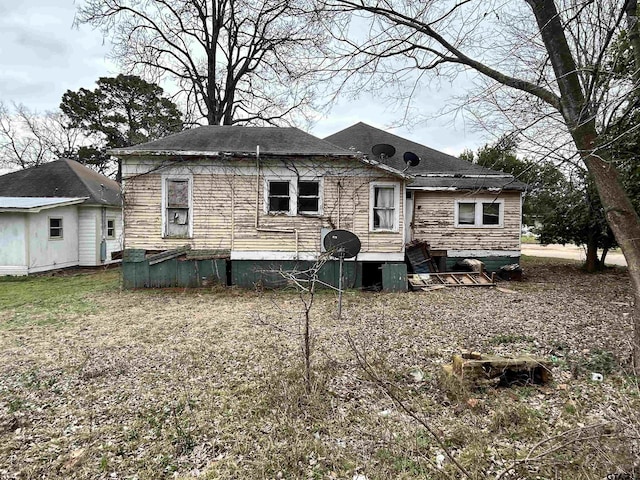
(619, 212)
(603, 257)
(623, 220)
(591, 263)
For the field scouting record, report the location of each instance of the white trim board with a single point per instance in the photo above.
(18, 270)
(257, 255)
(483, 253)
(55, 266)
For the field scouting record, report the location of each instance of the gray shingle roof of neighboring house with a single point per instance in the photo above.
(436, 170)
(218, 139)
(61, 178)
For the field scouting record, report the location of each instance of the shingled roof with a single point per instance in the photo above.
(436, 170)
(61, 178)
(240, 140)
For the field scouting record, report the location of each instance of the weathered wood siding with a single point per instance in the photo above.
(434, 222)
(225, 204)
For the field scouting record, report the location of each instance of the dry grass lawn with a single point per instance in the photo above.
(101, 383)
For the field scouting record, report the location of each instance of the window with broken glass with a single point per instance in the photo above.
(177, 208)
(279, 197)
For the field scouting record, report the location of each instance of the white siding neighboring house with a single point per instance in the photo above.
(58, 215)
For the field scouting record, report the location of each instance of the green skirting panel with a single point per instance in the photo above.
(394, 277)
(173, 273)
(491, 264)
(272, 273)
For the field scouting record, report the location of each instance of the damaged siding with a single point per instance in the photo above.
(225, 204)
(434, 222)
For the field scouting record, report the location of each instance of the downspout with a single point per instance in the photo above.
(339, 202)
(257, 225)
(233, 209)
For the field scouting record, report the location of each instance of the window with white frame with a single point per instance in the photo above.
(279, 196)
(384, 214)
(291, 197)
(309, 197)
(479, 213)
(177, 207)
(111, 228)
(55, 228)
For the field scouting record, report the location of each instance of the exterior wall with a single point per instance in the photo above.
(228, 208)
(13, 251)
(92, 228)
(48, 254)
(434, 222)
(114, 244)
(89, 240)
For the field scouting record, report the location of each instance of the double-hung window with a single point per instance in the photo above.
(177, 207)
(279, 196)
(479, 213)
(293, 197)
(384, 214)
(111, 228)
(55, 228)
(309, 197)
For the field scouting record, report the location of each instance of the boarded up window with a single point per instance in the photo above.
(279, 200)
(308, 196)
(177, 212)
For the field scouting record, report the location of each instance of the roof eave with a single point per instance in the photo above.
(39, 208)
(198, 153)
(386, 168)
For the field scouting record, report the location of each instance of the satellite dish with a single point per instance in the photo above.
(383, 150)
(342, 243)
(411, 159)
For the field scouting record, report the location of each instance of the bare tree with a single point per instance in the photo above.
(28, 139)
(553, 54)
(233, 61)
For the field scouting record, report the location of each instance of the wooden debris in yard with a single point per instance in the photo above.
(479, 368)
(426, 282)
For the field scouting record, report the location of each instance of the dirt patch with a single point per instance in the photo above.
(209, 384)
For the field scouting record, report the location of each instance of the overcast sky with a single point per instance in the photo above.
(42, 56)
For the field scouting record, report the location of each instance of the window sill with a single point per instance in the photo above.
(384, 231)
(479, 226)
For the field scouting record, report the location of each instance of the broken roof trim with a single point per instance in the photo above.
(194, 153)
(462, 175)
(131, 152)
(22, 205)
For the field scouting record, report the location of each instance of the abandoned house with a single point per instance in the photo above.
(236, 205)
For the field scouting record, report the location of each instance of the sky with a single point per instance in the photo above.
(42, 56)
